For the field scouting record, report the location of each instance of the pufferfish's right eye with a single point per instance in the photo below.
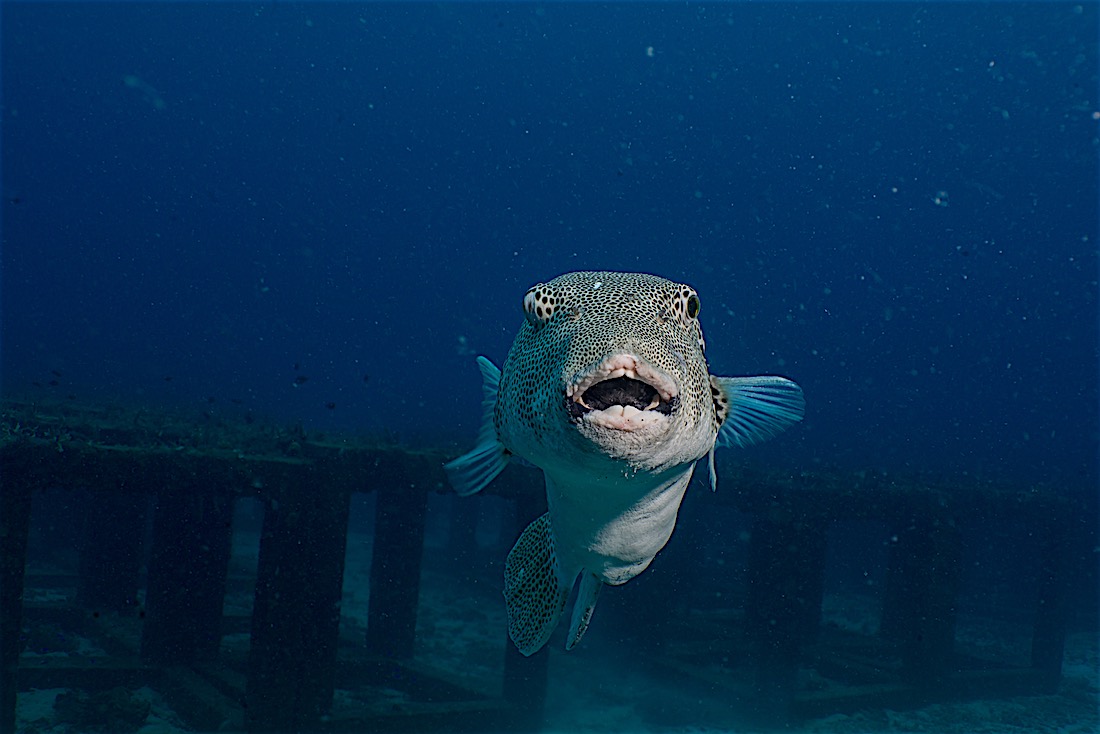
(693, 306)
(539, 305)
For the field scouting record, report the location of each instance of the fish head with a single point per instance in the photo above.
(608, 371)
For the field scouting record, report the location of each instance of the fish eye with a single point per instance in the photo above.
(693, 306)
(538, 306)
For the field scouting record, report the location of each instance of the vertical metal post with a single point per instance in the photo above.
(783, 607)
(1048, 640)
(296, 616)
(400, 512)
(922, 585)
(192, 532)
(111, 555)
(15, 517)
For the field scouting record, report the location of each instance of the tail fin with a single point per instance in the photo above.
(534, 595)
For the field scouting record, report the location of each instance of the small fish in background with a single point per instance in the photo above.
(463, 349)
(152, 96)
(607, 390)
(300, 380)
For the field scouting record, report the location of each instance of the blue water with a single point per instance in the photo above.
(321, 213)
(894, 204)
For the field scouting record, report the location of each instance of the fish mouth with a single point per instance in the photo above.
(622, 392)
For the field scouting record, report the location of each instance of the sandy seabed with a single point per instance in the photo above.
(602, 687)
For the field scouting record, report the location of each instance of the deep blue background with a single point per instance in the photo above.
(894, 204)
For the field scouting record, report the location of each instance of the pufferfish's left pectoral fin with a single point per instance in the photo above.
(472, 471)
(754, 409)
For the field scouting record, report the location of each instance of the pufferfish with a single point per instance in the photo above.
(607, 390)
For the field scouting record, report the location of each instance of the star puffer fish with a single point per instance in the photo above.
(607, 390)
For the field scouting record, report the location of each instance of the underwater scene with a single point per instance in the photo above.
(634, 367)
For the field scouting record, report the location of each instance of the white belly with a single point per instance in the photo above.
(613, 528)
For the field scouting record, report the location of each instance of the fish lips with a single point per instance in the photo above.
(623, 392)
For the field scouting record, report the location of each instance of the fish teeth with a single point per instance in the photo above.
(620, 411)
(623, 366)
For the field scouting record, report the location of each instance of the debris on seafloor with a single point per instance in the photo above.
(116, 710)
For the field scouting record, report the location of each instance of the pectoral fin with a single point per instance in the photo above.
(472, 471)
(753, 409)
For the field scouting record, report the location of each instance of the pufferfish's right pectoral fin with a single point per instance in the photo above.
(473, 470)
(533, 592)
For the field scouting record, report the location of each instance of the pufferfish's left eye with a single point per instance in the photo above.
(693, 306)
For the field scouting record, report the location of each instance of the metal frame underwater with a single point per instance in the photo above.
(159, 491)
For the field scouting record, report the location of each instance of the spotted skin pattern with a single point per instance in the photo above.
(575, 322)
(606, 389)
